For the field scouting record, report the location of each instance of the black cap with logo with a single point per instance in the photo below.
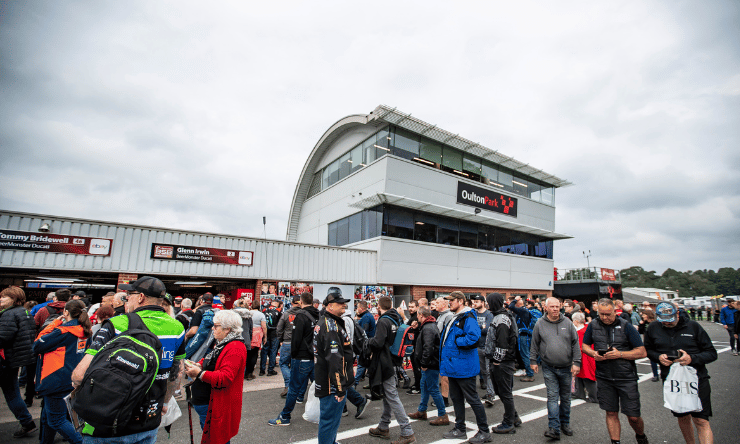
(334, 295)
(147, 285)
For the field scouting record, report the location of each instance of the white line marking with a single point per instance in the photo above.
(527, 395)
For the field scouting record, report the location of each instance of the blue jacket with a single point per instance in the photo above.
(60, 348)
(727, 316)
(367, 322)
(457, 362)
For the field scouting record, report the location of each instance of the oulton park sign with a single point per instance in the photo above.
(486, 199)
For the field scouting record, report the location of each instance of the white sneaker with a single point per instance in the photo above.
(520, 372)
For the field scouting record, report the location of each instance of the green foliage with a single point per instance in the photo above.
(688, 283)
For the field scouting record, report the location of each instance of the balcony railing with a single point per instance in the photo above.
(586, 274)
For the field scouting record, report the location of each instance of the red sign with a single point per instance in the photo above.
(608, 275)
(201, 254)
(54, 243)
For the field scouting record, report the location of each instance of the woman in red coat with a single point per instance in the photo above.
(219, 378)
(585, 380)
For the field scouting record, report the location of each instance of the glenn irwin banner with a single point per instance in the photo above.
(54, 243)
(201, 254)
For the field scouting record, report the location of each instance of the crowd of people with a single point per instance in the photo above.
(456, 345)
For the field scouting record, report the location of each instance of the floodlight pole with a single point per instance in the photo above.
(587, 256)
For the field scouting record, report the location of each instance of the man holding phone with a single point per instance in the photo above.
(615, 344)
(677, 339)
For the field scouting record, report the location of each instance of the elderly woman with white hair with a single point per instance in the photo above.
(217, 390)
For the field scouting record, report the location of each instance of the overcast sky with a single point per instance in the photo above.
(200, 115)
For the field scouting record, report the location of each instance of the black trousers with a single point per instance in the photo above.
(417, 376)
(31, 381)
(461, 390)
(252, 356)
(503, 382)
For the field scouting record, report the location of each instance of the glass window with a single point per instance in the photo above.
(544, 249)
(535, 191)
(505, 180)
(425, 227)
(485, 237)
(325, 178)
(355, 158)
(344, 166)
(518, 244)
(489, 173)
(333, 172)
(333, 234)
(472, 167)
(451, 160)
(405, 144)
(447, 231)
(369, 149)
(355, 228)
(372, 223)
(521, 185)
(468, 234)
(430, 151)
(501, 240)
(382, 143)
(343, 231)
(548, 196)
(399, 223)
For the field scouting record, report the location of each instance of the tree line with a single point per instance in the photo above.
(725, 281)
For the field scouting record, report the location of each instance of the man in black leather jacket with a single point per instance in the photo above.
(426, 359)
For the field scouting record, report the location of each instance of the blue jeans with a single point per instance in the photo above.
(524, 343)
(149, 437)
(54, 419)
(430, 387)
(202, 411)
(300, 373)
(285, 362)
(331, 415)
(354, 397)
(12, 393)
(557, 381)
(269, 350)
(359, 374)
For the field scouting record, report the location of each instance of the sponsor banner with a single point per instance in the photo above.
(54, 243)
(608, 275)
(201, 254)
(486, 199)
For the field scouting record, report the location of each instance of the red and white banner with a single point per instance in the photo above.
(201, 254)
(608, 275)
(54, 243)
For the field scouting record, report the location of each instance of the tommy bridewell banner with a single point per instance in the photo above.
(201, 254)
(486, 199)
(54, 243)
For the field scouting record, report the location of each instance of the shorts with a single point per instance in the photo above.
(613, 394)
(705, 392)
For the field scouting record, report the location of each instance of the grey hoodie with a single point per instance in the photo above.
(555, 342)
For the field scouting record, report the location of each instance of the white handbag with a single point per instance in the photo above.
(681, 390)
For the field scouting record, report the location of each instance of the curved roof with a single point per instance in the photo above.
(383, 115)
(304, 180)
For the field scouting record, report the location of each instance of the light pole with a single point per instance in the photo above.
(587, 256)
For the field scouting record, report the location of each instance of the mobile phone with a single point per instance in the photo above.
(672, 356)
(602, 352)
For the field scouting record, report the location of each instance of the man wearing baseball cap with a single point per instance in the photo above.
(144, 298)
(333, 369)
(674, 338)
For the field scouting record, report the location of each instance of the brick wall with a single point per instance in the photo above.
(126, 278)
(418, 291)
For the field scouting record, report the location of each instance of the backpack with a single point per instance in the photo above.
(359, 338)
(115, 391)
(204, 329)
(247, 327)
(53, 314)
(401, 338)
(513, 337)
(461, 325)
(535, 316)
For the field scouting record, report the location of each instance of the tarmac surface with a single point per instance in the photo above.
(262, 402)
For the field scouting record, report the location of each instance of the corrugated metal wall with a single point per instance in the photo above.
(131, 250)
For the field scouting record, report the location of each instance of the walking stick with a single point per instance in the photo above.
(190, 412)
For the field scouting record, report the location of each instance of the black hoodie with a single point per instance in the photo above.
(301, 342)
(502, 336)
(688, 336)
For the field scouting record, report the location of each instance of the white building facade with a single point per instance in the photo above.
(442, 212)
